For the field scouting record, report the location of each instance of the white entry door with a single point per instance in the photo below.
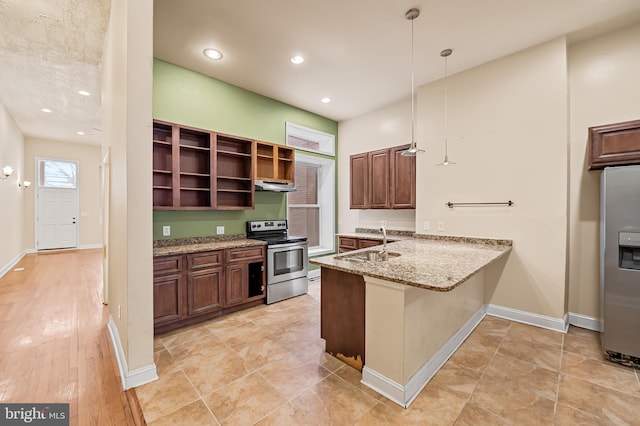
(57, 205)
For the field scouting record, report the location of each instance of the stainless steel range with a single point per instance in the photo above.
(287, 259)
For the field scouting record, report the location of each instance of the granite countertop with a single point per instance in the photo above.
(376, 234)
(200, 244)
(433, 262)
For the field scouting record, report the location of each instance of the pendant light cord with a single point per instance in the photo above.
(446, 111)
(413, 111)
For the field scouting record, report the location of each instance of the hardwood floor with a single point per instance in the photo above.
(54, 343)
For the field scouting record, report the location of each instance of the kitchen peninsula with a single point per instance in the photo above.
(400, 319)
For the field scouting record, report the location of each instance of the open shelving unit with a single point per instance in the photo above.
(234, 171)
(274, 162)
(162, 165)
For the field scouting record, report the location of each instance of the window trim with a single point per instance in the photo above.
(326, 141)
(326, 200)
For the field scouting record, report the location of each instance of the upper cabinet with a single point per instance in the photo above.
(195, 169)
(274, 162)
(383, 179)
(614, 145)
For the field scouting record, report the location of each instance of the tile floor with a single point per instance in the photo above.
(267, 366)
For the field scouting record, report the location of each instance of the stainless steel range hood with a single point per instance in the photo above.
(265, 185)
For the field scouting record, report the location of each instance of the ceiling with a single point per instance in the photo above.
(357, 52)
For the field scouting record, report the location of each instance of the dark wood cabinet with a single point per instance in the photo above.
(379, 187)
(346, 244)
(195, 169)
(342, 316)
(359, 182)
(614, 145)
(364, 243)
(195, 287)
(403, 179)
(169, 303)
(383, 179)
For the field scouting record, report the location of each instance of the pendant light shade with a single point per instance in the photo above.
(411, 15)
(445, 54)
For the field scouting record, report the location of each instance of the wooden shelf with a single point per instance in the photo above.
(274, 162)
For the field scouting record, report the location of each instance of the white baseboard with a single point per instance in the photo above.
(13, 262)
(90, 246)
(404, 395)
(550, 323)
(583, 321)
(130, 379)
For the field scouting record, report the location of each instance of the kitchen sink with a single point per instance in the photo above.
(367, 256)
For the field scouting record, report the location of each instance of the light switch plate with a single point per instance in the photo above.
(426, 226)
(383, 223)
(220, 230)
(440, 226)
(166, 231)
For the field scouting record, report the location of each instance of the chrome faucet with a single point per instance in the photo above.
(384, 240)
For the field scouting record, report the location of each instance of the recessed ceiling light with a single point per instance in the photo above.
(47, 110)
(297, 59)
(81, 133)
(212, 54)
(325, 100)
(84, 93)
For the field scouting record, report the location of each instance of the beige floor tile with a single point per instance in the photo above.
(194, 414)
(459, 380)
(157, 344)
(169, 393)
(603, 373)
(235, 331)
(214, 369)
(164, 362)
(354, 377)
(244, 401)
(434, 406)
(582, 332)
(334, 402)
(472, 415)
(473, 356)
(316, 353)
(288, 414)
(614, 407)
(584, 346)
(567, 416)
(536, 345)
(184, 335)
(200, 347)
(517, 390)
(269, 348)
(292, 375)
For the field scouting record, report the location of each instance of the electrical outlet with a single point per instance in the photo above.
(219, 230)
(166, 231)
(426, 226)
(440, 226)
(119, 312)
(383, 223)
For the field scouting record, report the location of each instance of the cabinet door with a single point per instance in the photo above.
(359, 181)
(204, 291)
(347, 244)
(168, 298)
(379, 169)
(237, 281)
(403, 179)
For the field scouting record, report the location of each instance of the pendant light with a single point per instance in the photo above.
(411, 15)
(445, 54)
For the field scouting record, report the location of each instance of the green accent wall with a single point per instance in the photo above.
(189, 98)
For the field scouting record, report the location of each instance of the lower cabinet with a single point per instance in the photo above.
(195, 287)
(352, 243)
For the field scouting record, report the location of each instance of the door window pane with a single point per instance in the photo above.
(57, 174)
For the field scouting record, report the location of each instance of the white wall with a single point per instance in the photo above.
(604, 76)
(88, 158)
(11, 196)
(386, 127)
(127, 122)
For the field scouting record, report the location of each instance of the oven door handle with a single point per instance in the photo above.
(280, 247)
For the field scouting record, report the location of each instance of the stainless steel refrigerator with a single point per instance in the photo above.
(620, 263)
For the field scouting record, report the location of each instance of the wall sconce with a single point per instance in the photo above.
(6, 172)
(24, 185)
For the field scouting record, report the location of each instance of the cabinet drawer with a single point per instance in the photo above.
(204, 260)
(238, 254)
(167, 265)
(363, 243)
(348, 243)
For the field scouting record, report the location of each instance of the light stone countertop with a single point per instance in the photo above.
(200, 244)
(438, 263)
(376, 234)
